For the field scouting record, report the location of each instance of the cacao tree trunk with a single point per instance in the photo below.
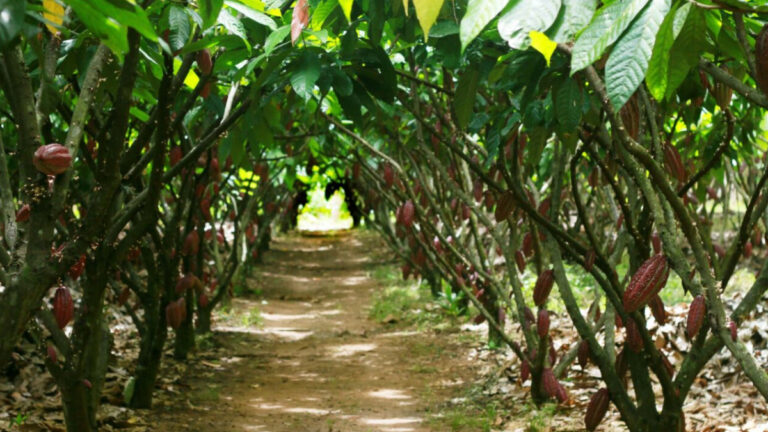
(148, 364)
(75, 401)
(185, 334)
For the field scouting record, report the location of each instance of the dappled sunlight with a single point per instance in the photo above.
(392, 421)
(351, 349)
(290, 334)
(389, 394)
(324, 215)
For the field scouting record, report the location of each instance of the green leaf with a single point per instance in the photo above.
(346, 7)
(541, 43)
(524, 16)
(321, 13)
(567, 104)
(253, 14)
(178, 21)
(234, 26)
(123, 13)
(109, 31)
(464, 98)
(629, 59)
(686, 49)
(11, 19)
(574, 16)
(606, 27)
(479, 14)
(658, 67)
(209, 11)
(427, 12)
(306, 74)
(275, 38)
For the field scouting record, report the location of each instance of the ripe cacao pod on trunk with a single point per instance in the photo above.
(597, 408)
(52, 159)
(527, 244)
(63, 306)
(673, 162)
(202, 300)
(186, 283)
(23, 214)
(504, 207)
(520, 260)
(175, 155)
(696, 313)
(176, 313)
(542, 324)
(191, 244)
(647, 281)
(630, 116)
(543, 287)
(583, 354)
(657, 309)
(734, 333)
(204, 61)
(656, 242)
(52, 354)
(634, 338)
(525, 371)
(549, 383)
(407, 213)
(388, 173)
(529, 317)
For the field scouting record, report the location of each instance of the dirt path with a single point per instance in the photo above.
(317, 363)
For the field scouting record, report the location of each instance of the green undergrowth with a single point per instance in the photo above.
(409, 302)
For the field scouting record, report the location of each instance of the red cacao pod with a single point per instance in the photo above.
(191, 244)
(206, 90)
(583, 354)
(528, 244)
(63, 306)
(525, 371)
(203, 300)
(407, 213)
(634, 338)
(389, 175)
(761, 59)
(52, 159)
(77, 268)
(696, 313)
(630, 116)
(543, 287)
(657, 309)
(542, 323)
(504, 206)
(477, 191)
(673, 162)
(204, 61)
(719, 250)
(406, 270)
(597, 408)
(734, 333)
(748, 249)
(529, 317)
(176, 155)
(549, 383)
(186, 283)
(23, 214)
(647, 281)
(520, 260)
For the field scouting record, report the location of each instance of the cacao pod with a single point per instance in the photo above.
(597, 408)
(175, 155)
(542, 324)
(561, 393)
(504, 207)
(529, 315)
(528, 244)
(525, 371)
(722, 93)
(479, 319)
(696, 313)
(657, 309)
(203, 300)
(630, 116)
(619, 221)
(477, 191)
(520, 260)
(175, 313)
(748, 249)
(673, 162)
(549, 383)
(389, 175)
(186, 283)
(647, 281)
(734, 333)
(634, 338)
(407, 213)
(543, 287)
(583, 354)
(52, 354)
(552, 354)
(719, 250)
(63, 306)
(52, 159)
(204, 61)
(23, 214)
(191, 244)
(406, 271)
(77, 268)
(206, 90)
(761, 59)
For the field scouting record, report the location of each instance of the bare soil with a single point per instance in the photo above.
(316, 362)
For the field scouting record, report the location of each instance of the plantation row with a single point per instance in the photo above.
(147, 152)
